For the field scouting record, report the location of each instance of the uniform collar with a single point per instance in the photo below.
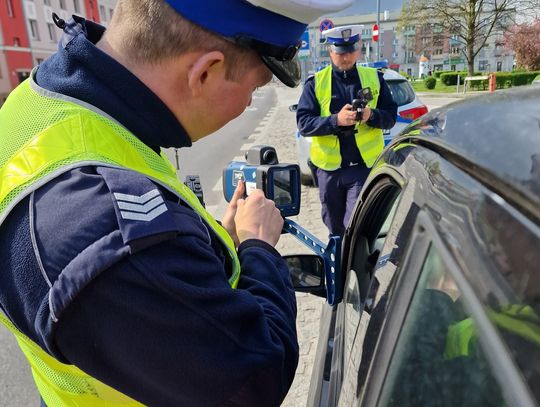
(80, 70)
(351, 73)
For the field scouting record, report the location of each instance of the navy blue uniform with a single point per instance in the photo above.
(159, 323)
(339, 189)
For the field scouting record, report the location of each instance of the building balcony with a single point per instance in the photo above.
(409, 33)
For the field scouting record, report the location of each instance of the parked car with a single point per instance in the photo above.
(436, 301)
(409, 108)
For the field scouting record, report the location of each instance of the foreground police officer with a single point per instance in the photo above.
(343, 149)
(120, 288)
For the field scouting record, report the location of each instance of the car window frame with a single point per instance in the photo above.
(505, 371)
(391, 186)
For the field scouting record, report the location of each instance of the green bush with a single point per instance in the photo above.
(450, 78)
(523, 78)
(437, 74)
(430, 82)
(503, 80)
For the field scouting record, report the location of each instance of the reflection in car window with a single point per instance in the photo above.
(438, 359)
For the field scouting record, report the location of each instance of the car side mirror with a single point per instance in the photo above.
(307, 273)
(293, 108)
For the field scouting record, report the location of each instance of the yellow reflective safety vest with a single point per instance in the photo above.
(44, 134)
(324, 151)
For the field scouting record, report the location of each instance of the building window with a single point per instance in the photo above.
(52, 32)
(438, 51)
(34, 33)
(76, 6)
(111, 12)
(63, 4)
(483, 65)
(102, 13)
(16, 42)
(9, 6)
(454, 50)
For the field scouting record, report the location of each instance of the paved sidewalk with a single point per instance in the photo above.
(279, 132)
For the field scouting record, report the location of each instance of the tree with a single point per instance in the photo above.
(524, 40)
(471, 22)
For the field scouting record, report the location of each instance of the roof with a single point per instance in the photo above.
(494, 137)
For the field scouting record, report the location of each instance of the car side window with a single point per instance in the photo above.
(438, 359)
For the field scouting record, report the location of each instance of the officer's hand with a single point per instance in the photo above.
(228, 219)
(346, 116)
(258, 218)
(366, 114)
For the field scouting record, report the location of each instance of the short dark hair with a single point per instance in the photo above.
(151, 31)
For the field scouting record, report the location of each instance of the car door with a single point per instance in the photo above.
(439, 345)
(375, 240)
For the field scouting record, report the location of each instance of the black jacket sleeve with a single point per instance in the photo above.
(164, 326)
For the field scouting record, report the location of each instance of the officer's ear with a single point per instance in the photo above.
(207, 70)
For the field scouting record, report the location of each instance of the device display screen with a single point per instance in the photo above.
(282, 187)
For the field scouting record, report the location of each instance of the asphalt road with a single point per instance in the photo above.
(206, 158)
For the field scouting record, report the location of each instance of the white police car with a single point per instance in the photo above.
(409, 108)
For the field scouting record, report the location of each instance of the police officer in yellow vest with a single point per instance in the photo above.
(117, 284)
(343, 149)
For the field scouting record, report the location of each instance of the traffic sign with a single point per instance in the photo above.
(375, 32)
(326, 24)
(304, 49)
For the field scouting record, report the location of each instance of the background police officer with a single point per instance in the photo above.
(120, 288)
(343, 148)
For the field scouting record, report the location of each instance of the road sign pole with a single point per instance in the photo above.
(378, 28)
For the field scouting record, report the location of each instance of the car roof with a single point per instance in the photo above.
(494, 137)
(389, 74)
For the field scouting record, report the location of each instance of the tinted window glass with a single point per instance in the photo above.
(402, 92)
(515, 247)
(438, 359)
(364, 257)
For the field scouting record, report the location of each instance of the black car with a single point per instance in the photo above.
(436, 298)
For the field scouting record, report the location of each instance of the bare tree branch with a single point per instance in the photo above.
(472, 22)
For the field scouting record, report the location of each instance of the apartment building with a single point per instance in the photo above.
(28, 34)
(15, 52)
(403, 48)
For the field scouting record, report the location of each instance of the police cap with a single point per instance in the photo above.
(343, 39)
(272, 28)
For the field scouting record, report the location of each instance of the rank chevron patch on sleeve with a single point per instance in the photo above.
(143, 208)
